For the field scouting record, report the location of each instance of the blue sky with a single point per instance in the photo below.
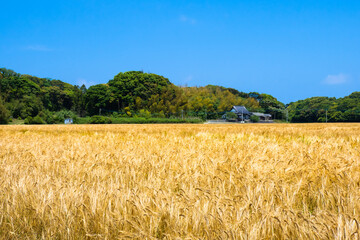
(289, 49)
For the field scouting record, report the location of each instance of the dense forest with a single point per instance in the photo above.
(321, 109)
(137, 94)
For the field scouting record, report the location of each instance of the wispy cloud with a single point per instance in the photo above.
(336, 79)
(187, 19)
(39, 48)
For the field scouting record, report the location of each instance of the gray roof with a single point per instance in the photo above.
(241, 110)
(261, 114)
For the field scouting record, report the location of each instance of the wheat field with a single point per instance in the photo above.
(233, 181)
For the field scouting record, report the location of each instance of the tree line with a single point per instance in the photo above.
(138, 94)
(326, 109)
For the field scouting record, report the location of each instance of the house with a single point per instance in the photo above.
(244, 115)
(242, 112)
(263, 116)
(68, 121)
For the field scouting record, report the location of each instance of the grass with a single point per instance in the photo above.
(141, 120)
(16, 122)
(251, 181)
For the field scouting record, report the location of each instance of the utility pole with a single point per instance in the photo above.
(287, 115)
(182, 113)
(242, 115)
(99, 111)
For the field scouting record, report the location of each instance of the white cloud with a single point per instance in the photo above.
(336, 79)
(186, 19)
(40, 48)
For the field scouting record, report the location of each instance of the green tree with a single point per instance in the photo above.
(144, 113)
(126, 87)
(4, 113)
(272, 106)
(79, 100)
(27, 95)
(231, 116)
(98, 97)
(254, 118)
(346, 109)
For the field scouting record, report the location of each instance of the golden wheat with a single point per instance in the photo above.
(252, 181)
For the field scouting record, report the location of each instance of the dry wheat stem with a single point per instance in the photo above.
(253, 181)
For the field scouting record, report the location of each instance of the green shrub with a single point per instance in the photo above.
(254, 118)
(59, 117)
(140, 120)
(231, 116)
(37, 120)
(83, 120)
(50, 119)
(28, 120)
(161, 114)
(100, 120)
(144, 114)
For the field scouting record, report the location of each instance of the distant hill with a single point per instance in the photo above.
(135, 92)
(127, 93)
